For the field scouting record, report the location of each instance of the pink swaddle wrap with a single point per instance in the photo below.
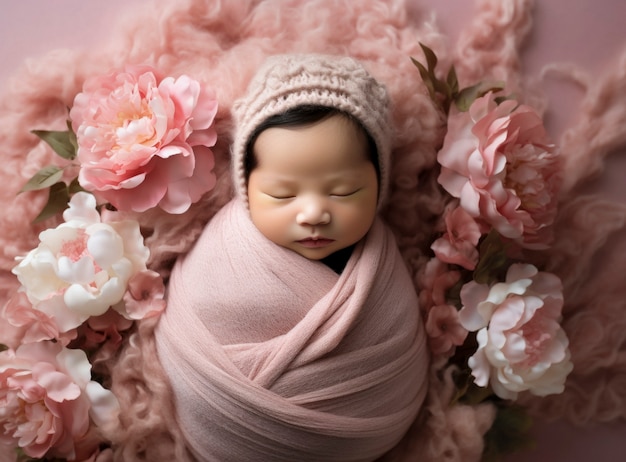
(275, 357)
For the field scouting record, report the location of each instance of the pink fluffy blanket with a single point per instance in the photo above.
(224, 43)
(272, 356)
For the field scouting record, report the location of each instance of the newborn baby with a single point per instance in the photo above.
(292, 331)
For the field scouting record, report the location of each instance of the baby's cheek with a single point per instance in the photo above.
(271, 220)
(359, 209)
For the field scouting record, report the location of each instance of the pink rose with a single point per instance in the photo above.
(498, 160)
(444, 330)
(144, 142)
(458, 244)
(47, 400)
(521, 345)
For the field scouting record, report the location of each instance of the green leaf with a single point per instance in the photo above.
(427, 78)
(60, 141)
(468, 95)
(462, 379)
(58, 198)
(453, 81)
(443, 88)
(75, 187)
(509, 433)
(493, 262)
(431, 57)
(475, 395)
(44, 178)
(502, 99)
(442, 92)
(72, 137)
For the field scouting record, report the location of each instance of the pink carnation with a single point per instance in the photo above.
(521, 345)
(48, 401)
(498, 160)
(145, 142)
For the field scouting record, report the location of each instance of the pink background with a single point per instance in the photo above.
(589, 33)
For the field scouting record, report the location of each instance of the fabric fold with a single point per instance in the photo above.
(283, 359)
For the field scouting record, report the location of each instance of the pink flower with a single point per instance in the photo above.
(444, 330)
(434, 280)
(47, 400)
(498, 161)
(103, 333)
(458, 244)
(145, 295)
(21, 323)
(521, 345)
(144, 142)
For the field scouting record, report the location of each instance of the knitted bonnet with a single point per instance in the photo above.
(286, 81)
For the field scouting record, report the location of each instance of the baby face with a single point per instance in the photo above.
(314, 189)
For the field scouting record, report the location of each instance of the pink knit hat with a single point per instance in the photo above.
(287, 81)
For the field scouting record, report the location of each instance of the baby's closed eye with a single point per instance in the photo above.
(345, 192)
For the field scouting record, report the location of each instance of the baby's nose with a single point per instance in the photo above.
(313, 213)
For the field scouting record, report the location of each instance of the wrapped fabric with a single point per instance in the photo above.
(272, 356)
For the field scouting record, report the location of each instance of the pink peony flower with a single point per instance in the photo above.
(521, 345)
(145, 142)
(21, 323)
(458, 244)
(498, 161)
(47, 400)
(82, 267)
(444, 330)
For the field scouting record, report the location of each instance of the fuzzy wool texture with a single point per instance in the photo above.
(224, 43)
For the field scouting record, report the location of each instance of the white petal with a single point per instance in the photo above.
(82, 209)
(76, 272)
(76, 364)
(106, 247)
(104, 405)
(84, 302)
(64, 318)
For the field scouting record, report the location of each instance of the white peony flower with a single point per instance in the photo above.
(521, 345)
(83, 266)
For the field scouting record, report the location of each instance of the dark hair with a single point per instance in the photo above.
(304, 115)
